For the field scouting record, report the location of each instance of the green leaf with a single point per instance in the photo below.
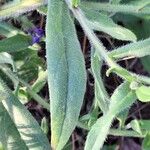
(8, 30)
(28, 64)
(40, 82)
(146, 142)
(137, 49)
(121, 99)
(75, 3)
(20, 8)
(15, 43)
(19, 130)
(145, 124)
(1, 146)
(136, 126)
(140, 3)
(100, 22)
(143, 93)
(122, 117)
(145, 62)
(101, 95)
(98, 133)
(66, 73)
(6, 58)
(45, 125)
(140, 125)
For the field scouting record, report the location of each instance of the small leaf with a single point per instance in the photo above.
(136, 126)
(44, 125)
(121, 99)
(75, 3)
(19, 130)
(137, 49)
(23, 95)
(8, 30)
(40, 82)
(100, 22)
(101, 95)
(15, 43)
(144, 124)
(28, 65)
(146, 142)
(122, 117)
(143, 93)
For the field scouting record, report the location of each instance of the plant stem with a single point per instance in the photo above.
(115, 8)
(14, 78)
(125, 74)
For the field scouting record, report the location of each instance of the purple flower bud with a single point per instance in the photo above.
(39, 31)
(37, 34)
(35, 39)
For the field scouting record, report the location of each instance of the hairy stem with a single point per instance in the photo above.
(36, 97)
(125, 74)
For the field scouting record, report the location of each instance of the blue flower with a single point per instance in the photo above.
(37, 34)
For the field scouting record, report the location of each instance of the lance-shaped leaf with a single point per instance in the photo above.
(6, 58)
(121, 99)
(66, 72)
(100, 22)
(8, 30)
(21, 7)
(137, 49)
(19, 130)
(101, 95)
(15, 43)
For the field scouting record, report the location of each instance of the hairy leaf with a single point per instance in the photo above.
(15, 43)
(146, 142)
(100, 22)
(66, 73)
(20, 8)
(8, 30)
(137, 49)
(101, 94)
(143, 93)
(122, 98)
(6, 58)
(19, 130)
